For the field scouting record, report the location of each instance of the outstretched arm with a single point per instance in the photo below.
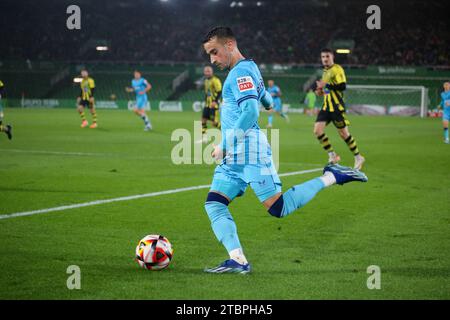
(267, 100)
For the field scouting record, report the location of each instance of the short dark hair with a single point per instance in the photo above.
(219, 32)
(327, 50)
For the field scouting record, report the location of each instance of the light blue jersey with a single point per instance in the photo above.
(243, 82)
(139, 85)
(248, 158)
(275, 93)
(445, 104)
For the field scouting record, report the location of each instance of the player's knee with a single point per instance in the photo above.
(216, 205)
(276, 209)
(344, 134)
(318, 131)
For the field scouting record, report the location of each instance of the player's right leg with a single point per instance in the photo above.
(445, 121)
(225, 187)
(319, 132)
(80, 109)
(7, 129)
(206, 115)
(141, 102)
(270, 119)
(279, 109)
(93, 112)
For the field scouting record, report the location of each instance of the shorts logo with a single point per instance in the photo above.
(245, 84)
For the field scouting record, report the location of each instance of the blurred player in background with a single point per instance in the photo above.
(445, 106)
(7, 129)
(141, 86)
(331, 87)
(310, 102)
(246, 158)
(275, 92)
(213, 94)
(86, 99)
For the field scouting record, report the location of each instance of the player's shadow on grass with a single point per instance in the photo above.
(102, 129)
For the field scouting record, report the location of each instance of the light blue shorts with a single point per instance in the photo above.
(141, 101)
(232, 179)
(277, 105)
(446, 115)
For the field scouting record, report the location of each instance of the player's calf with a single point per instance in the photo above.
(225, 230)
(299, 195)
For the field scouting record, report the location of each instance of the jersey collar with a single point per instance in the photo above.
(245, 59)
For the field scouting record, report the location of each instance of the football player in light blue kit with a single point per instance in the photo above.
(445, 105)
(246, 154)
(275, 92)
(140, 86)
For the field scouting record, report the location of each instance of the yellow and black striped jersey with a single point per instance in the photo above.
(213, 90)
(335, 80)
(2, 87)
(87, 85)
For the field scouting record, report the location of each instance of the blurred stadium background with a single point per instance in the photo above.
(40, 57)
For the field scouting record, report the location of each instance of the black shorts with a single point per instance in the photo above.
(209, 113)
(338, 118)
(85, 103)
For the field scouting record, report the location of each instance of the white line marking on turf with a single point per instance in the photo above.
(53, 152)
(84, 154)
(137, 196)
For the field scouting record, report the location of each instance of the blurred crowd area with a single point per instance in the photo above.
(412, 33)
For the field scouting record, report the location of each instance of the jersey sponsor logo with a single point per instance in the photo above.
(245, 84)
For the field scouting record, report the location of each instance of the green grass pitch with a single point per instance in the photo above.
(398, 221)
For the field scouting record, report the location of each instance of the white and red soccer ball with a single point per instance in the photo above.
(154, 252)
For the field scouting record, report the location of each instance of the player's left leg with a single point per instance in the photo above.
(93, 114)
(445, 126)
(341, 123)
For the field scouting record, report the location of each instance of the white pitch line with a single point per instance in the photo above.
(137, 196)
(53, 152)
(83, 154)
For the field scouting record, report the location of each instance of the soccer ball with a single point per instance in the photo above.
(154, 252)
